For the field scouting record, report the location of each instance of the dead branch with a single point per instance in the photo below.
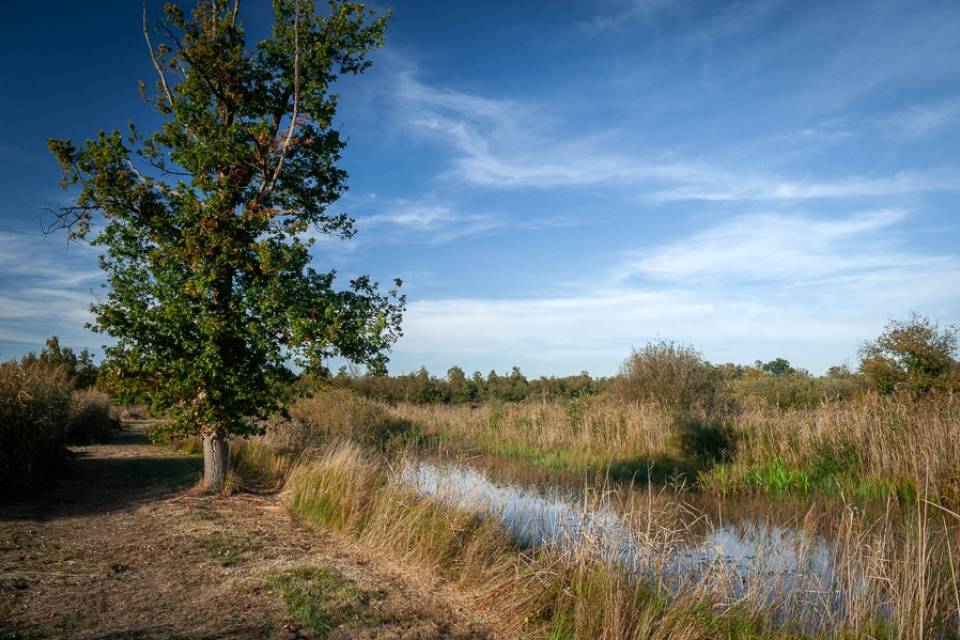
(153, 57)
(296, 100)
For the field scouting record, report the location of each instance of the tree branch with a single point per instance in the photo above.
(153, 58)
(296, 100)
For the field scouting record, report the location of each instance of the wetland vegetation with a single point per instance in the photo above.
(674, 500)
(677, 499)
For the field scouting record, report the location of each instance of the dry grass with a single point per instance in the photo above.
(893, 577)
(316, 420)
(35, 407)
(892, 572)
(878, 442)
(91, 417)
(530, 595)
(579, 432)
(118, 550)
(132, 412)
(875, 444)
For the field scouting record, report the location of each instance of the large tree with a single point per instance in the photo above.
(207, 222)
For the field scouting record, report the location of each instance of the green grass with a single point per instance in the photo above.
(558, 459)
(322, 601)
(659, 470)
(775, 478)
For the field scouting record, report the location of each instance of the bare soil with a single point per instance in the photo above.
(123, 547)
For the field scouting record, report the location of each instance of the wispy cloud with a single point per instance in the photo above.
(427, 222)
(435, 220)
(922, 120)
(46, 287)
(621, 15)
(723, 20)
(780, 248)
(721, 186)
(506, 144)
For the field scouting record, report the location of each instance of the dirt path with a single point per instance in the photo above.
(120, 548)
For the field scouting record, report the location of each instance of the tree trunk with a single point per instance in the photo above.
(216, 460)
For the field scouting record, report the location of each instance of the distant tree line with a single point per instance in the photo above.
(915, 356)
(457, 388)
(665, 371)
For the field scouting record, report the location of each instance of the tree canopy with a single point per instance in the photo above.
(207, 222)
(916, 355)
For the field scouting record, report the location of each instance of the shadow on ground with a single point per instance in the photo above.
(97, 480)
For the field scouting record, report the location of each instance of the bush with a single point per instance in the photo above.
(675, 376)
(91, 417)
(337, 414)
(916, 356)
(168, 434)
(35, 407)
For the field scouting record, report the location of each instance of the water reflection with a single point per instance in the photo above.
(788, 569)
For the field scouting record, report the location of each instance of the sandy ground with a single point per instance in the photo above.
(121, 547)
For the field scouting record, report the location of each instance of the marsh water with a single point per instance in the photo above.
(774, 555)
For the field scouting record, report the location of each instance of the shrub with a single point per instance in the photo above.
(91, 417)
(79, 367)
(166, 433)
(35, 405)
(779, 367)
(677, 378)
(134, 412)
(673, 375)
(916, 355)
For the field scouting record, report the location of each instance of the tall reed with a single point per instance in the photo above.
(882, 576)
(35, 407)
(894, 441)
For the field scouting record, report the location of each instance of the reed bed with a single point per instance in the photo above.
(871, 445)
(35, 410)
(575, 434)
(897, 441)
(541, 594)
(883, 576)
(91, 417)
(884, 569)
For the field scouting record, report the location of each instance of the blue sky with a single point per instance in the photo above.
(557, 182)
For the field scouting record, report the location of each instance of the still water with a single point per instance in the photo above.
(788, 569)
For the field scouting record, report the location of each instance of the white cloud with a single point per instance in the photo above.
(507, 144)
(428, 222)
(432, 220)
(35, 256)
(805, 287)
(775, 247)
(625, 13)
(725, 21)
